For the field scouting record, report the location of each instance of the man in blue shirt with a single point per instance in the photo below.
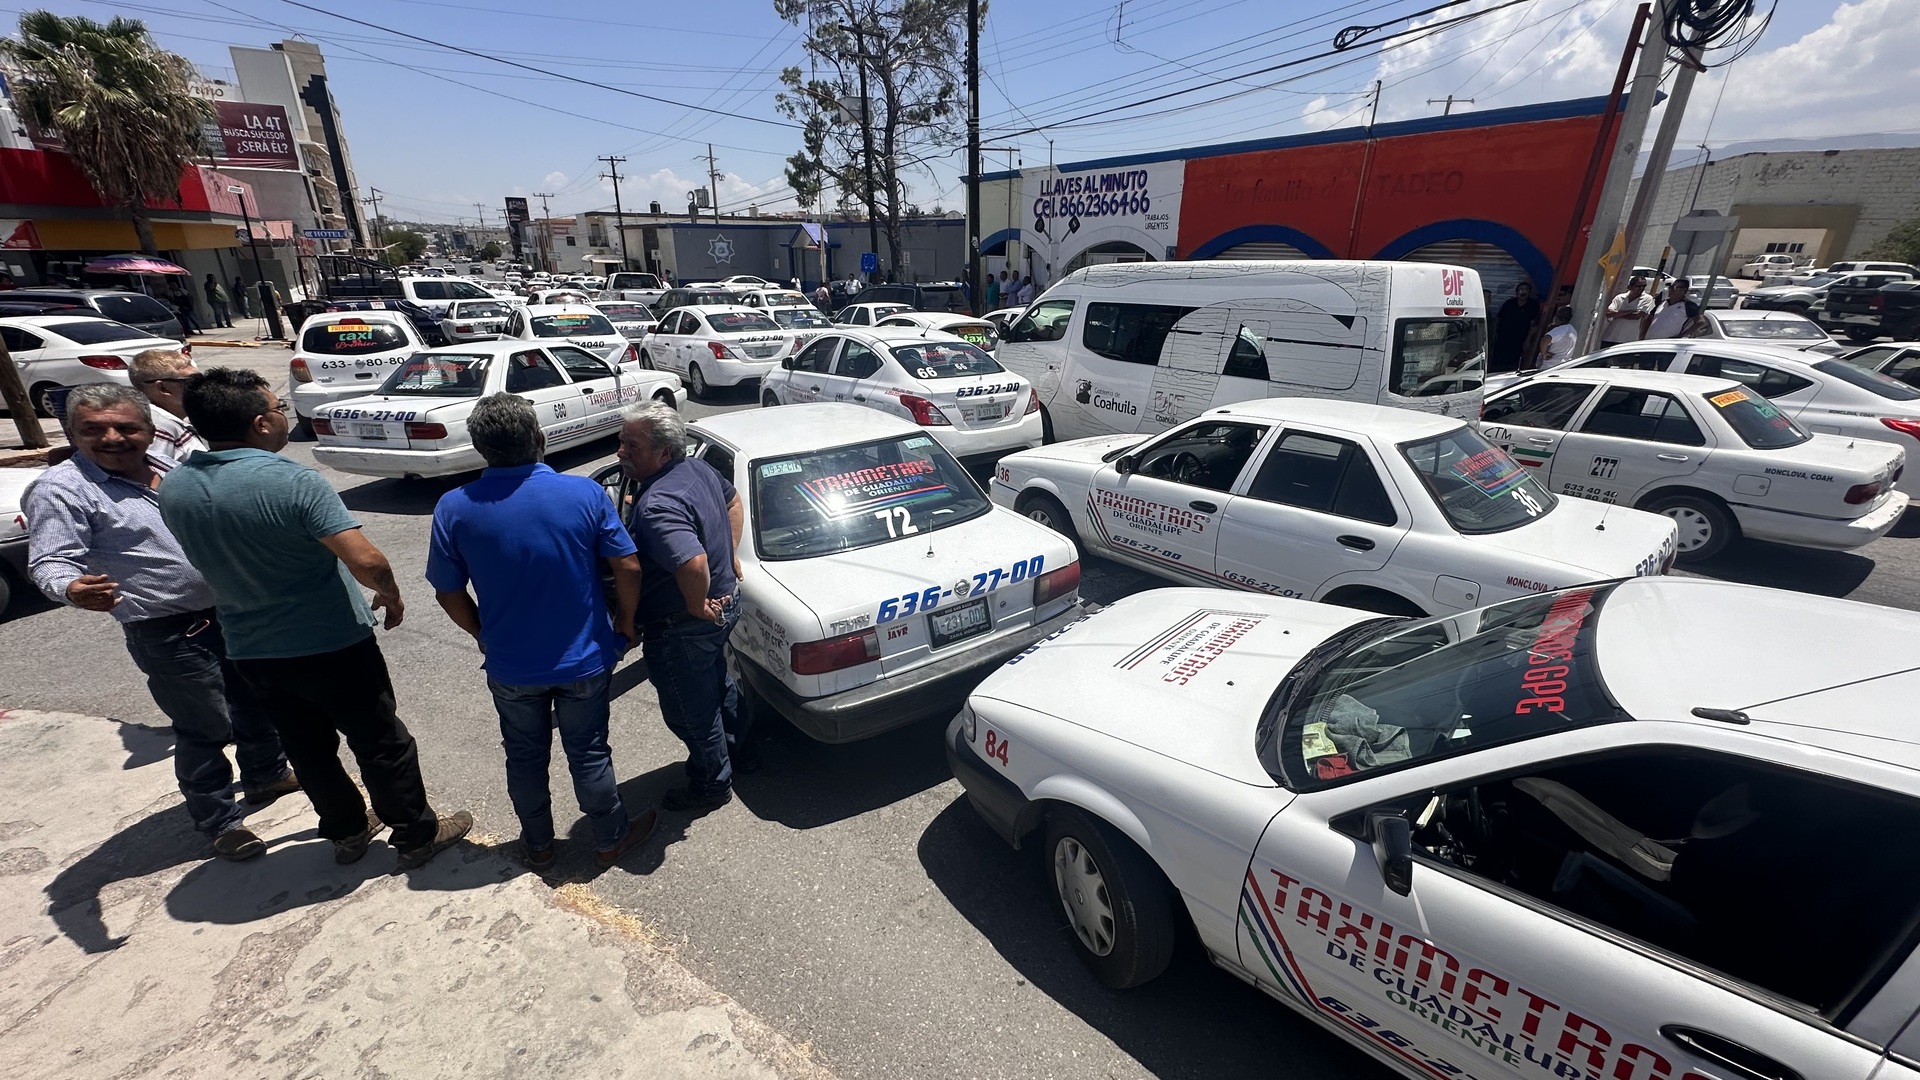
(686, 521)
(96, 541)
(531, 540)
(283, 556)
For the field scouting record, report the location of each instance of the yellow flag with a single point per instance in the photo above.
(1610, 262)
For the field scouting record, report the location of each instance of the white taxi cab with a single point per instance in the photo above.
(716, 345)
(879, 582)
(1711, 453)
(977, 409)
(1391, 510)
(581, 325)
(1623, 831)
(974, 331)
(867, 314)
(415, 425)
(337, 355)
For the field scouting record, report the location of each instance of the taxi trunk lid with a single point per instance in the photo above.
(1817, 477)
(386, 421)
(1184, 673)
(976, 402)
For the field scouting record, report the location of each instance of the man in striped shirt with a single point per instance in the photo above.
(162, 375)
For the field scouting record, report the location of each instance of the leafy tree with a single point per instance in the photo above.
(912, 54)
(404, 246)
(1901, 244)
(490, 253)
(118, 102)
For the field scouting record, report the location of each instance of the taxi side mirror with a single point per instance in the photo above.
(787, 363)
(1126, 464)
(1392, 837)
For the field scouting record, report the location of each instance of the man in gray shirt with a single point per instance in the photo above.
(96, 542)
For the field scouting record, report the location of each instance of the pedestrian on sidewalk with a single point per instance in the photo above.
(96, 541)
(218, 301)
(1678, 316)
(1627, 314)
(1556, 345)
(278, 546)
(182, 298)
(162, 375)
(530, 541)
(1513, 327)
(993, 294)
(686, 521)
(240, 298)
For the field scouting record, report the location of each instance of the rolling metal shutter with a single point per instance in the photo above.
(1264, 250)
(1499, 273)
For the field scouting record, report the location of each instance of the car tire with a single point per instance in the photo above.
(1119, 907)
(1861, 335)
(665, 397)
(37, 395)
(646, 360)
(6, 592)
(768, 400)
(1704, 524)
(697, 383)
(1038, 506)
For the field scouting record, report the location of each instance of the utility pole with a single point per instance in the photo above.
(714, 176)
(975, 297)
(379, 230)
(1589, 289)
(1366, 167)
(1689, 67)
(619, 215)
(544, 240)
(1450, 101)
(866, 140)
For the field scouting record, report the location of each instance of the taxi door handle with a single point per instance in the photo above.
(1204, 506)
(859, 397)
(1357, 543)
(1745, 1063)
(1540, 440)
(1671, 457)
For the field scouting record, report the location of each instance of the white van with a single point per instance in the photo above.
(1140, 347)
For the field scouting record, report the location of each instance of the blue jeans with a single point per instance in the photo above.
(528, 715)
(688, 668)
(184, 658)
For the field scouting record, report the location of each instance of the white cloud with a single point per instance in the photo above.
(554, 180)
(1854, 74)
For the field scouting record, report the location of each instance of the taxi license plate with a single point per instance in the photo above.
(959, 623)
(369, 431)
(989, 412)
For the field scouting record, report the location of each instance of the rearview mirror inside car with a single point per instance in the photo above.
(1392, 837)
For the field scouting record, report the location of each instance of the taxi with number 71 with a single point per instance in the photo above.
(879, 583)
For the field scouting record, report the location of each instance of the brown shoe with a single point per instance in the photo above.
(637, 832)
(238, 845)
(353, 847)
(264, 796)
(452, 827)
(540, 858)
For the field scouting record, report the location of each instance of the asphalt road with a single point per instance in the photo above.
(849, 896)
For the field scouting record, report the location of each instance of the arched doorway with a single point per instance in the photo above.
(1499, 271)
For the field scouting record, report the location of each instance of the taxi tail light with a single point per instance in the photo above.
(1862, 493)
(1033, 402)
(833, 654)
(1055, 584)
(426, 432)
(632, 355)
(720, 350)
(104, 363)
(1903, 426)
(463, 328)
(186, 350)
(322, 425)
(925, 413)
(301, 373)
(350, 322)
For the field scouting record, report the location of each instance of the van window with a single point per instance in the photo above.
(1045, 321)
(1437, 356)
(1130, 333)
(1248, 360)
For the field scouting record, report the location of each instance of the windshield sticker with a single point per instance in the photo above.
(1186, 648)
(1545, 678)
(865, 490)
(1490, 470)
(918, 441)
(779, 468)
(565, 320)
(1731, 397)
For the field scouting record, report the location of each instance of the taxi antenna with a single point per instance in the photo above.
(1606, 508)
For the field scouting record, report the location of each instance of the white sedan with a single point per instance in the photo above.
(579, 324)
(1648, 830)
(1711, 453)
(866, 314)
(72, 350)
(977, 332)
(415, 425)
(1758, 327)
(13, 534)
(958, 393)
(1392, 510)
(633, 319)
(339, 355)
(475, 320)
(716, 345)
(879, 583)
(1825, 395)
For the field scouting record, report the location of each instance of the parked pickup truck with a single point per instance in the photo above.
(638, 287)
(1864, 313)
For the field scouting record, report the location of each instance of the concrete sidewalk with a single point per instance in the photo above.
(126, 952)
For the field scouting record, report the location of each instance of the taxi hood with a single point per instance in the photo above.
(1183, 673)
(1085, 451)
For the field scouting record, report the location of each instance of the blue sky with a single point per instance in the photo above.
(439, 131)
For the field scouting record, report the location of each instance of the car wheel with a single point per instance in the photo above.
(1118, 904)
(1705, 526)
(38, 396)
(1045, 509)
(1861, 334)
(696, 382)
(665, 397)
(768, 400)
(6, 592)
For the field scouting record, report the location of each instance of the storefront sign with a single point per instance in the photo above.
(1134, 209)
(255, 136)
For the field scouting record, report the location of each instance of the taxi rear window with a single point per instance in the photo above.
(945, 360)
(625, 311)
(1759, 422)
(571, 325)
(351, 337)
(438, 374)
(851, 497)
(741, 322)
(800, 318)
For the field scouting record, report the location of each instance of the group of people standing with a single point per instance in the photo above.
(1008, 290)
(222, 303)
(1633, 315)
(237, 576)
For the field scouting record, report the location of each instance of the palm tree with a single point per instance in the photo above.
(119, 103)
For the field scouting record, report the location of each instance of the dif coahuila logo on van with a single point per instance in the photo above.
(1453, 288)
(1088, 394)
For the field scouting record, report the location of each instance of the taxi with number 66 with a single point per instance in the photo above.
(879, 583)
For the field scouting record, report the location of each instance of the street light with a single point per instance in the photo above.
(275, 331)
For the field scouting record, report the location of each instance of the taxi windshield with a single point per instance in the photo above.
(800, 318)
(1476, 485)
(438, 374)
(945, 360)
(481, 309)
(825, 501)
(351, 337)
(1759, 422)
(741, 322)
(571, 325)
(1389, 692)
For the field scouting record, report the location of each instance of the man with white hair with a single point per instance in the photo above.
(162, 375)
(686, 521)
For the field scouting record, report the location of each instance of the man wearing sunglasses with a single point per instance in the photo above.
(162, 375)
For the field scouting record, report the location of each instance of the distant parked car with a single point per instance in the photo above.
(1768, 264)
(1719, 294)
(138, 310)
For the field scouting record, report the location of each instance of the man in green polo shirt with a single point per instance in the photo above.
(283, 555)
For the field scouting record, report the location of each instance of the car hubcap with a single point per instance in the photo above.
(1083, 895)
(1039, 514)
(1695, 529)
(699, 381)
